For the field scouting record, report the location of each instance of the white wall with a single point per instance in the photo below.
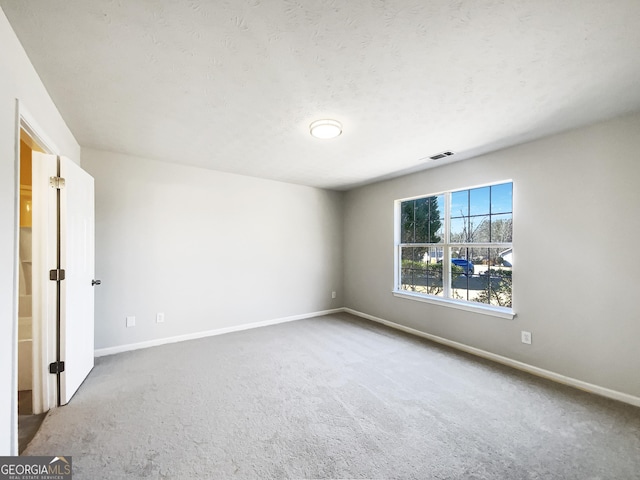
(210, 250)
(18, 80)
(576, 269)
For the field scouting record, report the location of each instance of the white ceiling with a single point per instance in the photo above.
(233, 85)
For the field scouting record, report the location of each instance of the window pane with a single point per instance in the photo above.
(422, 220)
(412, 268)
(433, 259)
(434, 255)
(478, 285)
(435, 219)
(459, 229)
(440, 232)
(500, 279)
(428, 220)
(440, 203)
(502, 228)
(479, 201)
(461, 272)
(502, 198)
(460, 204)
(421, 270)
(421, 211)
(479, 229)
(407, 226)
(411, 253)
(505, 258)
(491, 281)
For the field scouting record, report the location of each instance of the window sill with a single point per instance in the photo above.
(500, 312)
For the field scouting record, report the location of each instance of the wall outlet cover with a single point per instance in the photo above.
(526, 337)
(131, 321)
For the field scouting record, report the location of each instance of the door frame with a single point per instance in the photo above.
(44, 389)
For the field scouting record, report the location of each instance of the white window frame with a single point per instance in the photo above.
(445, 300)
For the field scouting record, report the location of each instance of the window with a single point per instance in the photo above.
(456, 247)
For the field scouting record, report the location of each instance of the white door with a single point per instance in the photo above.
(44, 239)
(77, 243)
(75, 225)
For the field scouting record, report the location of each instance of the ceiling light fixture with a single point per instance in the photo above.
(325, 129)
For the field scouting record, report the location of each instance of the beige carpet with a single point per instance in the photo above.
(333, 397)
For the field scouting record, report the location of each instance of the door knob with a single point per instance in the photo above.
(95, 282)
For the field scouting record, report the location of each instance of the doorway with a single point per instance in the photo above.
(28, 420)
(54, 280)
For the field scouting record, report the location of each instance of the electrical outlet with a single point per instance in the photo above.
(526, 337)
(131, 321)
(160, 318)
(333, 295)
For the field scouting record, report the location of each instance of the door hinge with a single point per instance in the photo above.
(56, 274)
(56, 367)
(57, 182)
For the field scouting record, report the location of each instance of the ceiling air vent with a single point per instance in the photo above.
(438, 156)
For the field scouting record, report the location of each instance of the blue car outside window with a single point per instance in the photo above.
(467, 265)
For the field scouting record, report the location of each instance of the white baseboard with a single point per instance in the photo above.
(101, 352)
(587, 387)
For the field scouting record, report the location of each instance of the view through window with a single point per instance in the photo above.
(458, 245)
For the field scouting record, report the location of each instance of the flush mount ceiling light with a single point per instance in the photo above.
(325, 129)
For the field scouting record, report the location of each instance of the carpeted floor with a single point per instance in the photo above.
(333, 397)
(28, 423)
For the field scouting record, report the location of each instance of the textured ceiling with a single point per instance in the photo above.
(233, 85)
